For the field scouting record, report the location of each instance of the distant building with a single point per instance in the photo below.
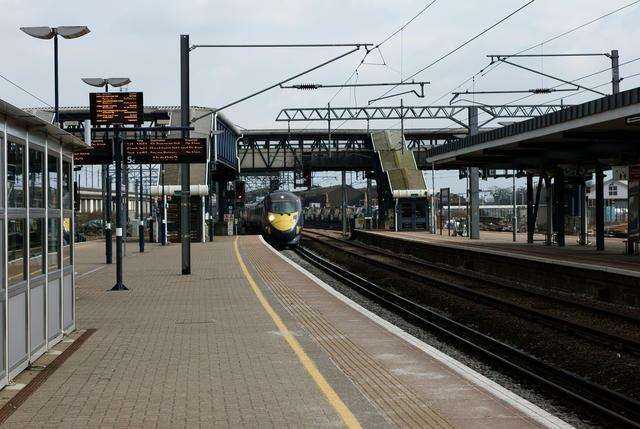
(615, 200)
(614, 190)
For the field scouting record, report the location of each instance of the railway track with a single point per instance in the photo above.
(615, 408)
(571, 310)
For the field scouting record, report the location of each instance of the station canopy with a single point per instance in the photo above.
(604, 131)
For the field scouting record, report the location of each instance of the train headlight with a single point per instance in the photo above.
(271, 217)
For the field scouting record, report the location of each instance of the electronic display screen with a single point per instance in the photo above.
(100, 152)
(167, 151)
(108, 108)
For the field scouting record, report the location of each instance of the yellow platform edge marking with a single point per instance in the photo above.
(343, 411)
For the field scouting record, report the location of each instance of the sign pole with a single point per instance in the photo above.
(119, 214)
(141, 218)
(185, 232)
(163, 215)
(108, 231)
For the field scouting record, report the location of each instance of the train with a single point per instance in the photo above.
(278, 217)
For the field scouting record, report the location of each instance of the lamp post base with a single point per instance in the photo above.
(119, 286)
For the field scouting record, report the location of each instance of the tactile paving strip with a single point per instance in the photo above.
(398, 403)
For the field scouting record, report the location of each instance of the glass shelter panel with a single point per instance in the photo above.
(54, 244)
(53, 182)
(15, 174)
(16, 229)
(67, 237)
(36, 243)
(36, 178)
(67, 185)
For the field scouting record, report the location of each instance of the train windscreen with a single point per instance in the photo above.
(282, 204)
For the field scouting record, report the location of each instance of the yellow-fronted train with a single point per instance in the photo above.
(278, 217)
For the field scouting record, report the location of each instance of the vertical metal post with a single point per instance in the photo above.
(329, 126)
(402, 124)
(468, 212)
(109, 230)
(549, 201)
(119, 214)
(599, 208)
(583, 214)
(125, 173)
(141, 216)
(163, 219)
(530, 217)
(56, 112)
(559, 199)
(395, 215)
(434, 214)
(514, 224)
(474, 182)
(615, 71)
(449, 212)
(185, 233)
(103, 186)
(368, 208)
(344, 202)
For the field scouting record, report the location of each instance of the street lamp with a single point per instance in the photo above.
(100, 82)
(68, 32)
(106, 180)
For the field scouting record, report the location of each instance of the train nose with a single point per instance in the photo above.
(283, 221)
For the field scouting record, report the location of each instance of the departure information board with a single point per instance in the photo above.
(167, 151)
(100, 152)
(109, 108)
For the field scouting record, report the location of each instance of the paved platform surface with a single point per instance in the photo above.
(250, 344)
(612, 257)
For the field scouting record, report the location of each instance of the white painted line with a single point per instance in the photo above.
(90, 272)
(531, 410)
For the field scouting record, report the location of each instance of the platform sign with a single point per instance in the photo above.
(167, 151)
(100, 152)
(108, 108)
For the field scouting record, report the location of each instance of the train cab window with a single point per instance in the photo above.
(282, 204)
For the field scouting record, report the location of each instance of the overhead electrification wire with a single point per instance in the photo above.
(575, 80)
(486, 70)
(453, 51)
(482, 114)
(24, 90)
(578, 79)
(385, 40)
(597, 86)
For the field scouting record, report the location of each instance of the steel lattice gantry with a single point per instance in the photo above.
(452, 113)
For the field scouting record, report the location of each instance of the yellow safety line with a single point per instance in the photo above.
(345, 414)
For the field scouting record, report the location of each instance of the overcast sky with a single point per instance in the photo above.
(140, 40)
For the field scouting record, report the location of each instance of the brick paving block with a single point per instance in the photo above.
(175, 351)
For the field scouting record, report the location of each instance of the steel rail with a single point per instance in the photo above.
(537, 316)
(599, 399)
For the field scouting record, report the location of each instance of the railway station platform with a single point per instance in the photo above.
(249, 339)
(613, 257)
(609, 275)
